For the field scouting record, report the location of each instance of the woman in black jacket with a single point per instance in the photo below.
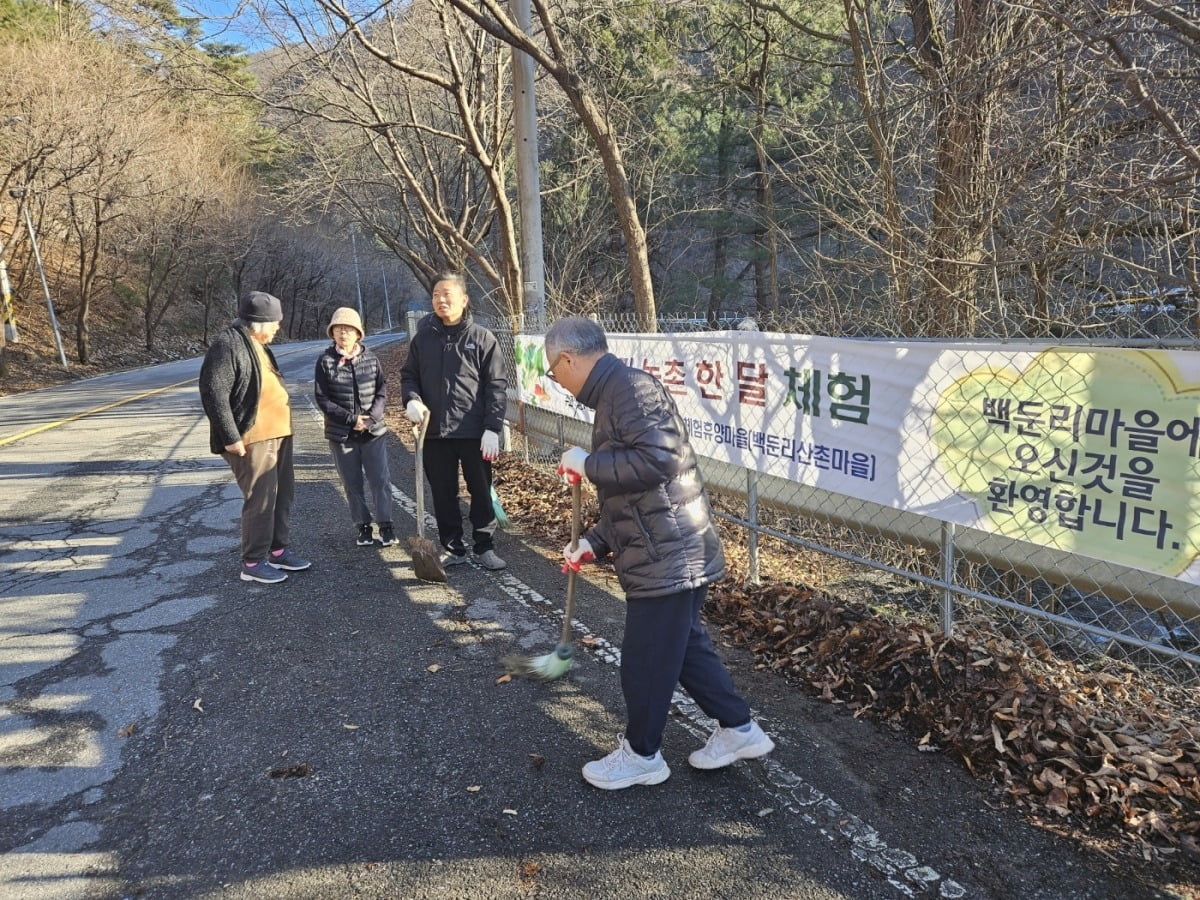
(351, 393)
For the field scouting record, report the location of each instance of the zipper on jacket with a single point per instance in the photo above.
(650, 546)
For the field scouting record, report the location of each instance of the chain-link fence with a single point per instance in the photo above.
(1092, 607)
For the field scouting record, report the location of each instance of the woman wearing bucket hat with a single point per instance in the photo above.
(351, 393)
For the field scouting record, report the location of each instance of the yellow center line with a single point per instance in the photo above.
(99, 409)
(89, 412)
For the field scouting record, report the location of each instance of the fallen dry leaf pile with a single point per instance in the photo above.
(1106, 753)
(1102, 749)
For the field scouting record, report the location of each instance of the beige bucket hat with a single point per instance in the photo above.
(345, 315)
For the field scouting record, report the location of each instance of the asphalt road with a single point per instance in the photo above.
(147, 696)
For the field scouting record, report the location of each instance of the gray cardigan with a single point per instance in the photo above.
(230, 385)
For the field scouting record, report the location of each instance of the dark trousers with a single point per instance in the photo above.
(443, 457)
(665, 644)
(268, 487)
(354, 458)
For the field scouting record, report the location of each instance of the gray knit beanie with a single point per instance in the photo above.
(258, 306)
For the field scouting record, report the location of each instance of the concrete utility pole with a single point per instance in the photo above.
(387, 303)
(11, 335)
(19, 195)
(357, 285)
(529, 192)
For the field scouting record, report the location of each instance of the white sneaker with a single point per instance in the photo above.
(449, 559)
(728, 745)
(489, 560)
(623, 768)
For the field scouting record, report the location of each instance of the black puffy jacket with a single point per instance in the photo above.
(654, 513)
(458, 372)
(346, 391)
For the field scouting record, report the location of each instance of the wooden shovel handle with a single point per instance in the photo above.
(576, 526)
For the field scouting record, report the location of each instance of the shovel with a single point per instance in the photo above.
(426, 564)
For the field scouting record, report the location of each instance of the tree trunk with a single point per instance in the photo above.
(899, 253)
(717, 290)
(720, 259)
(955, 247)
(490, 15)
(766, 262)
(82, 337)
(638, 258)
(962, 73)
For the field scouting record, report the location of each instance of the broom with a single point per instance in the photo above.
(502, 518)
(426, 564)
(555, 664)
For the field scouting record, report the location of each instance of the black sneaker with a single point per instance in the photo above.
(366, 535)
(387, 535)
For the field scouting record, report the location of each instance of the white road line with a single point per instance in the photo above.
(902, 869)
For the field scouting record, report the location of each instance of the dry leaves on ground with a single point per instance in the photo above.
(1102, 749)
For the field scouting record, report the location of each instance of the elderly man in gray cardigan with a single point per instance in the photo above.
(250, 426)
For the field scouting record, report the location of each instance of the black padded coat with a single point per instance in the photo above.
(458, 372)
(654, 514)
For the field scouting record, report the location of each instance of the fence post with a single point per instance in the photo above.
(752, 518)
(947, 577)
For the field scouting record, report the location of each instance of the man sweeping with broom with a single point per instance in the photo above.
(656, 523)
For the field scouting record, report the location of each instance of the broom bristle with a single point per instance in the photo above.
(501, 517)
(546, 667)
(426, 565)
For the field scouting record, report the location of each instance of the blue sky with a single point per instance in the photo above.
(229, 21)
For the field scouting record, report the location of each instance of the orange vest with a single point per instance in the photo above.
(274, 416)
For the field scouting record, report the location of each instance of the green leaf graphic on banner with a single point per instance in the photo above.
(531, 368)
(1089, 451)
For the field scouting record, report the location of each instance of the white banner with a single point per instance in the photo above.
(1091, 451)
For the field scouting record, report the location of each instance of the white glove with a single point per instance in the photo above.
(416, 410)
(570, 467)
(577, 557)
(490, 445)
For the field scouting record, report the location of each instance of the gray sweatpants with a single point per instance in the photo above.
(354, 458)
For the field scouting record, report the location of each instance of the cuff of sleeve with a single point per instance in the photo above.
(599, 548)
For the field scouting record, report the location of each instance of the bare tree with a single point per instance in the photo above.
(562, 66)
(186, 190)
(102, 139)
(415, 152)
(989, 165)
